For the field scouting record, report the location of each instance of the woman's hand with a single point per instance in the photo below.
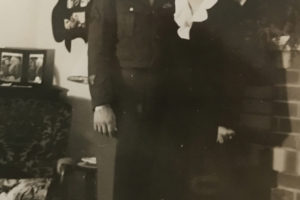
(224, 134)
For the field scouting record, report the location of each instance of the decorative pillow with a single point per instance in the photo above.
(24, 189)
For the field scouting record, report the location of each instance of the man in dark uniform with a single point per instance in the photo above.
(125, 71)
(133, 76)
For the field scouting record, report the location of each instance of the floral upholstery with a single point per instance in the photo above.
(24, 189)
(33, 136)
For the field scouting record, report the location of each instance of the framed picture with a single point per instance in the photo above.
(11, 68)
(21, 66)
(35, 68)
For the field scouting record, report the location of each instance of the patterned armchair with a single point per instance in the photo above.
(33, 136)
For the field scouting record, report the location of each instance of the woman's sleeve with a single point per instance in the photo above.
(235, 67)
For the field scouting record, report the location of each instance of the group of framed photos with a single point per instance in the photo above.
(26, 66)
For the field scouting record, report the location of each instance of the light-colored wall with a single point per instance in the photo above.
(66, 63)
(27, 23)
(18, 20)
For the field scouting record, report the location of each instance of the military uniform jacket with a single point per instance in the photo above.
(129, 31)
(134, 34)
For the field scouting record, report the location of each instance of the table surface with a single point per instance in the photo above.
(87, 166)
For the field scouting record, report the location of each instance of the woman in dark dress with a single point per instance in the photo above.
(204, 80)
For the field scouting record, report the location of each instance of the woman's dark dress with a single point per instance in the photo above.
(204, 83)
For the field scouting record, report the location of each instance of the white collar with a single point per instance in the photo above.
(184, 16)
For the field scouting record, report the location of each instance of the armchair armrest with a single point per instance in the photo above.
(61, 166)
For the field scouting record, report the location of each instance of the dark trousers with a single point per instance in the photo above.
(126, 162)
(164, 146)
(187, 158)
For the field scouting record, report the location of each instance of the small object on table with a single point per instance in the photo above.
(89, 160)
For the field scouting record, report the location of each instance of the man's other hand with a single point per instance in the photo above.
(105, 120)
(224, 134)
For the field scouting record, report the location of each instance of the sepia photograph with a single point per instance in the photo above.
(150, 100)
(11, 67)
(35, 69)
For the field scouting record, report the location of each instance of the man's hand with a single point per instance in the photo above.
(224, 134)
(105, 120)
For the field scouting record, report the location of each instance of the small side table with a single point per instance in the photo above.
(90, 179)
(80, 176)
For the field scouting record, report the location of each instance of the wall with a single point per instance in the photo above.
(82, 141)
(286, 123)
(18, 23)
(271, 129)
(66, 64)
(27, 23)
